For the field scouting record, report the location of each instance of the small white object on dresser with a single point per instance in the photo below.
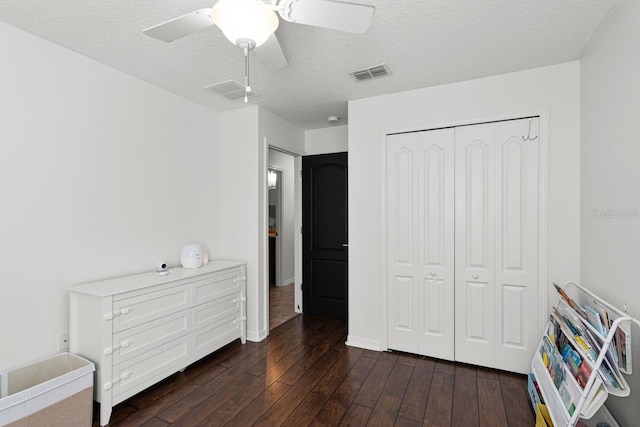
(140, 329)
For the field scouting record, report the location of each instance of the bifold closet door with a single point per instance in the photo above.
(496, 244)
(420, 242)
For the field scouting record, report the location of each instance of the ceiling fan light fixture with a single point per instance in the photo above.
(242, 20)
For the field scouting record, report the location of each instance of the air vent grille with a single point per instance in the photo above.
(230, 89)
(372, 72)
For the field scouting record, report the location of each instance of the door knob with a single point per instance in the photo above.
(475, 276)
(433, 274)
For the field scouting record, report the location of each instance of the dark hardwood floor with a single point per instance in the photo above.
(281, 305)
(303, 374)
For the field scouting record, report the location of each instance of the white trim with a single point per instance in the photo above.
(279, 212)
(288, 281)
(543, 200)
(384, 327)
(257, 336)
(543, 224)
(263, 237)
(364, 343)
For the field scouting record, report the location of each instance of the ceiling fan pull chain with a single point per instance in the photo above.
(247, 88)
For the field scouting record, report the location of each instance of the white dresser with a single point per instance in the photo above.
(140, 329)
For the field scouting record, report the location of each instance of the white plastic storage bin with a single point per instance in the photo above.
(55, 391)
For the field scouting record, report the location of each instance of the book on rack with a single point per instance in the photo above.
(623, 348)
(571, 358)
(587, 333)
(583, 374)
(569, 301)
(552, 360)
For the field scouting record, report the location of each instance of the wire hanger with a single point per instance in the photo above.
(528, 137)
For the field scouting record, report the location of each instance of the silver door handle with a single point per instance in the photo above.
(345, 245)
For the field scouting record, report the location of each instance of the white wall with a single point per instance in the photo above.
(611, 176)
(286, 164)
(240, 226)
(101, 175)
(555, 88)
(334, 139)
(278, 133)
(245, 135)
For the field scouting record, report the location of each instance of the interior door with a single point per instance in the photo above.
(436, 243)
(475, 301)
(420, 233)
(402, 242)
(324, 235)
(497, 198)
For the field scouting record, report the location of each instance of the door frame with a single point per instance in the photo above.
(263, 237)
(279, 211)
(543, 200)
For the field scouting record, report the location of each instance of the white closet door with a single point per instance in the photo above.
(497, 244)
(436, 243)
(475, 236)
(402, 243)
(517, 216)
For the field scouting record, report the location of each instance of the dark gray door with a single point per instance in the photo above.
(324, 235)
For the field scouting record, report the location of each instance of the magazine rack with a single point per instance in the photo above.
(573, 321)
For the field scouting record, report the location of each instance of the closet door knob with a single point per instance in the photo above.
(475, 277)
(433, 274)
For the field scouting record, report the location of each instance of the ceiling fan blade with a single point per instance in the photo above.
(181, 26)
(270, 54)
(351, 17)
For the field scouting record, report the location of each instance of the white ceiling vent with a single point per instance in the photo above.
(369, 73)
(230, 89)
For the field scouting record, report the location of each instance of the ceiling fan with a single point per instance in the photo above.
(251, 24)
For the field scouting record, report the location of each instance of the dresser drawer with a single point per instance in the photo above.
(135, 341)
(208, 314)
(222, 332)
(148, 368)
(216, 286)
(131, 312)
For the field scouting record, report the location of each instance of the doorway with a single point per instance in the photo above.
(281, 232)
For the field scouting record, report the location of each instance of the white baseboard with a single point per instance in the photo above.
(365, 343)
(287, 282)
(256, 336)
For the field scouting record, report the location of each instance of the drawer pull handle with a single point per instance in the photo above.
(122, 377)
(123, 344)
(123, 311)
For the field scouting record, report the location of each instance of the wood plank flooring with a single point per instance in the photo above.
(304, 375)
(281, 307)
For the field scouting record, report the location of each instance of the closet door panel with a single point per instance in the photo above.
(436, 245)
(474, 251)
(402, 243)
(517, 200)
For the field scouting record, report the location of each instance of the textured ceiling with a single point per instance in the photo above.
(424, 42)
